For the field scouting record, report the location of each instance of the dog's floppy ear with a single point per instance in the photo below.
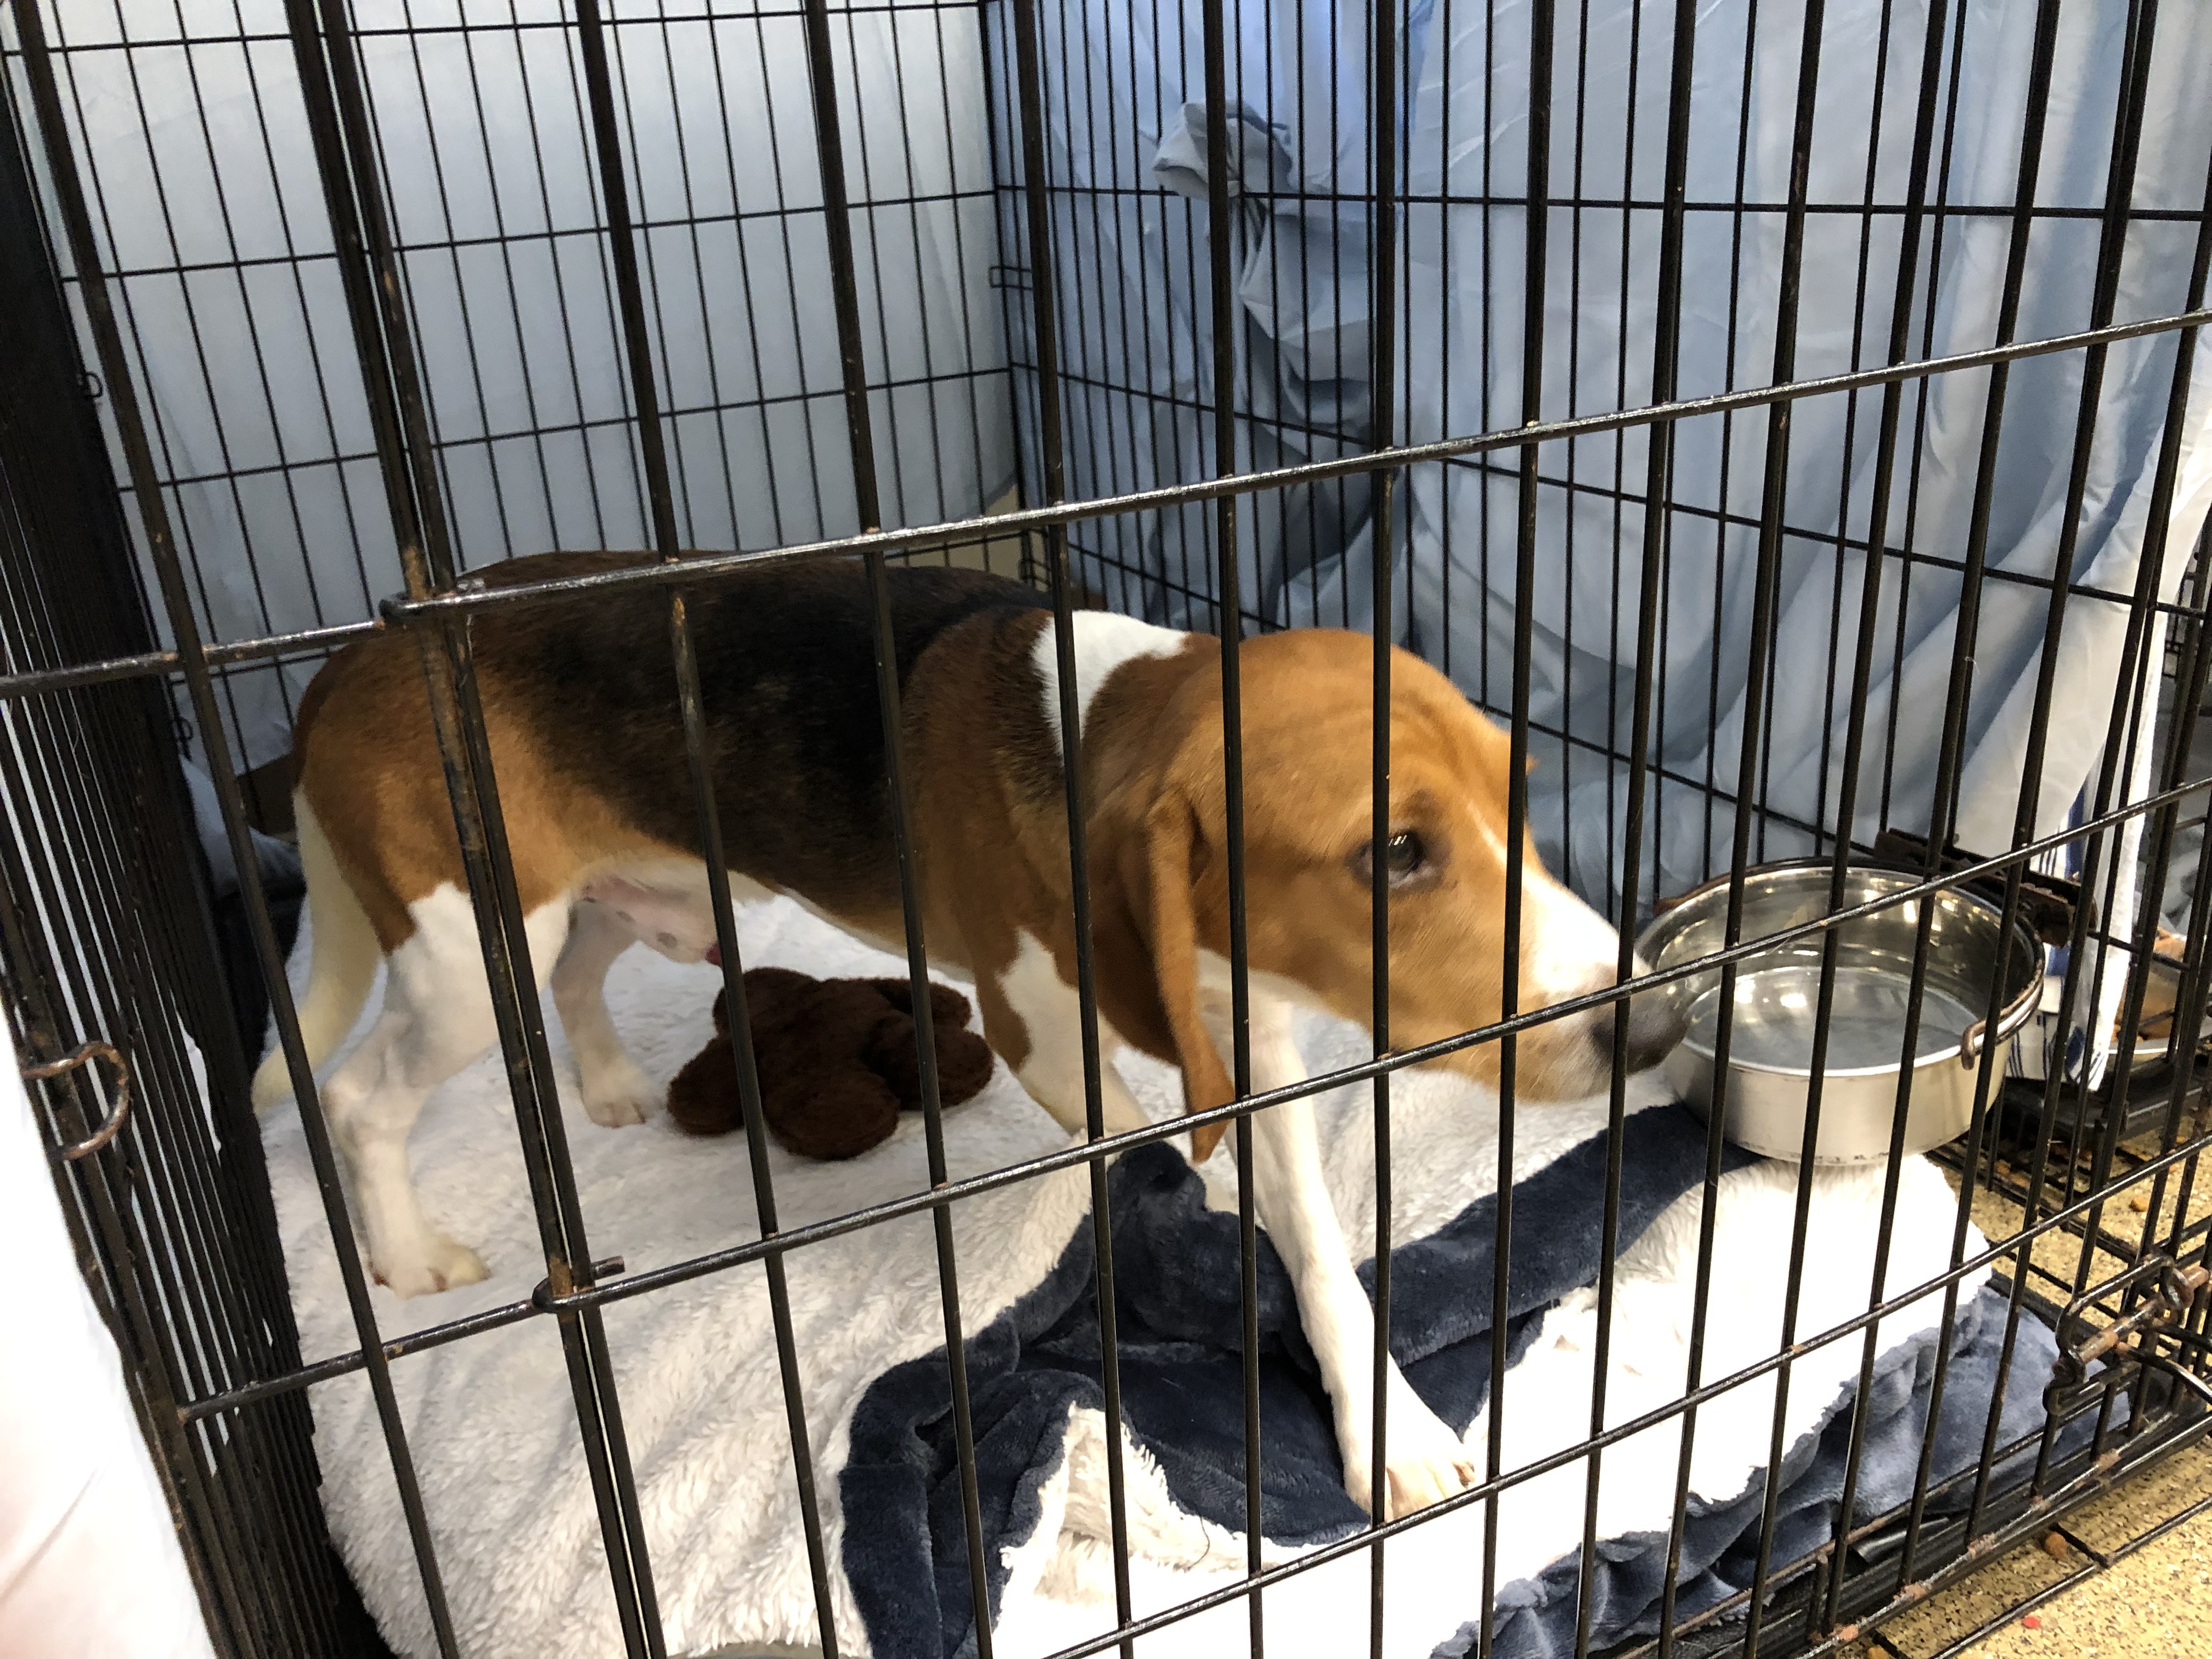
(1172, 847)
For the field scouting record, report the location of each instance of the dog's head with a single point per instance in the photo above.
(1310, 851)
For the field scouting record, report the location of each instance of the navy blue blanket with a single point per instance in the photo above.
(1182, 1375)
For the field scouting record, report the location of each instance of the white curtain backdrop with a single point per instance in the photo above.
(1299, 82)
(192, 128)
(192, 133)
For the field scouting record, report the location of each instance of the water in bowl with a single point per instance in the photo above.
(1775, 1006)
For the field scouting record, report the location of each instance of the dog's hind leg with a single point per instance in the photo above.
(615, 1092)
(437, 1018)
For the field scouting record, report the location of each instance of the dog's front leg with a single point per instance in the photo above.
(1028, 1009)
(1426, 1461)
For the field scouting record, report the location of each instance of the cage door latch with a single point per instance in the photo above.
(2138, 1338)
(111, 1125)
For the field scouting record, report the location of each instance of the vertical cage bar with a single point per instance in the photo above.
(1943, 803)
(94, 768)
(622, 247)
(2154, 862)
(830, 151)
(1893, 405)
(2079, 971)
(2119, 187)
(70, 200)
(1712, 790)
(2190, 683)
(1908, 546)
(1542, 23)
(1045, 305)
(339, 119)
(1382, 140)
(1220, 227)
(605, 132)
(1758, 700)
(1658, 508)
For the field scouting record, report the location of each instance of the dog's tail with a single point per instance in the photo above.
(346, 955)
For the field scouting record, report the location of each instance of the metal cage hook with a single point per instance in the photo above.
(111, 1125)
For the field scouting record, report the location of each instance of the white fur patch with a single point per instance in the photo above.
(1577, 949)
(1103, 641)
(1052, 1011)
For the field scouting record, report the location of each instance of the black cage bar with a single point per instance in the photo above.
(1650, 371)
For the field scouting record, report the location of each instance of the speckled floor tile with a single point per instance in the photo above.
(1972, 1602)
(2131, 1509)
(2059, 1252)
(2156, 1604)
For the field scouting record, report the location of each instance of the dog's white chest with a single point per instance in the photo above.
(1103, 641)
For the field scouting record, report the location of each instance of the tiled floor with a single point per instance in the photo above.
(2156, 1604)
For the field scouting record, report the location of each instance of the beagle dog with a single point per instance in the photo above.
(580, 702)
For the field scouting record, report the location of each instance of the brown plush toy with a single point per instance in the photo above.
(836, 1062)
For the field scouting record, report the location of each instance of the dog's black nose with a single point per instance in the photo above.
(1657, 1020)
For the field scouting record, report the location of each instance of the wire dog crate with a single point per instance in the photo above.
(1785, 420)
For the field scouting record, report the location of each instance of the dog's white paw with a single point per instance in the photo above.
(617, 1097)
(439, 1263)
(1427, 1462)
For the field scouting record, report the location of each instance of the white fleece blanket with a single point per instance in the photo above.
(497, 1451)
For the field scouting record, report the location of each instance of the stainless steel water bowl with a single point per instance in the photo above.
(1776, 997)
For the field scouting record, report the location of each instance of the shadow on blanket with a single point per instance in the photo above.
(905, 1549)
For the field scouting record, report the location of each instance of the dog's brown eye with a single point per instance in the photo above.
(1405, 856)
